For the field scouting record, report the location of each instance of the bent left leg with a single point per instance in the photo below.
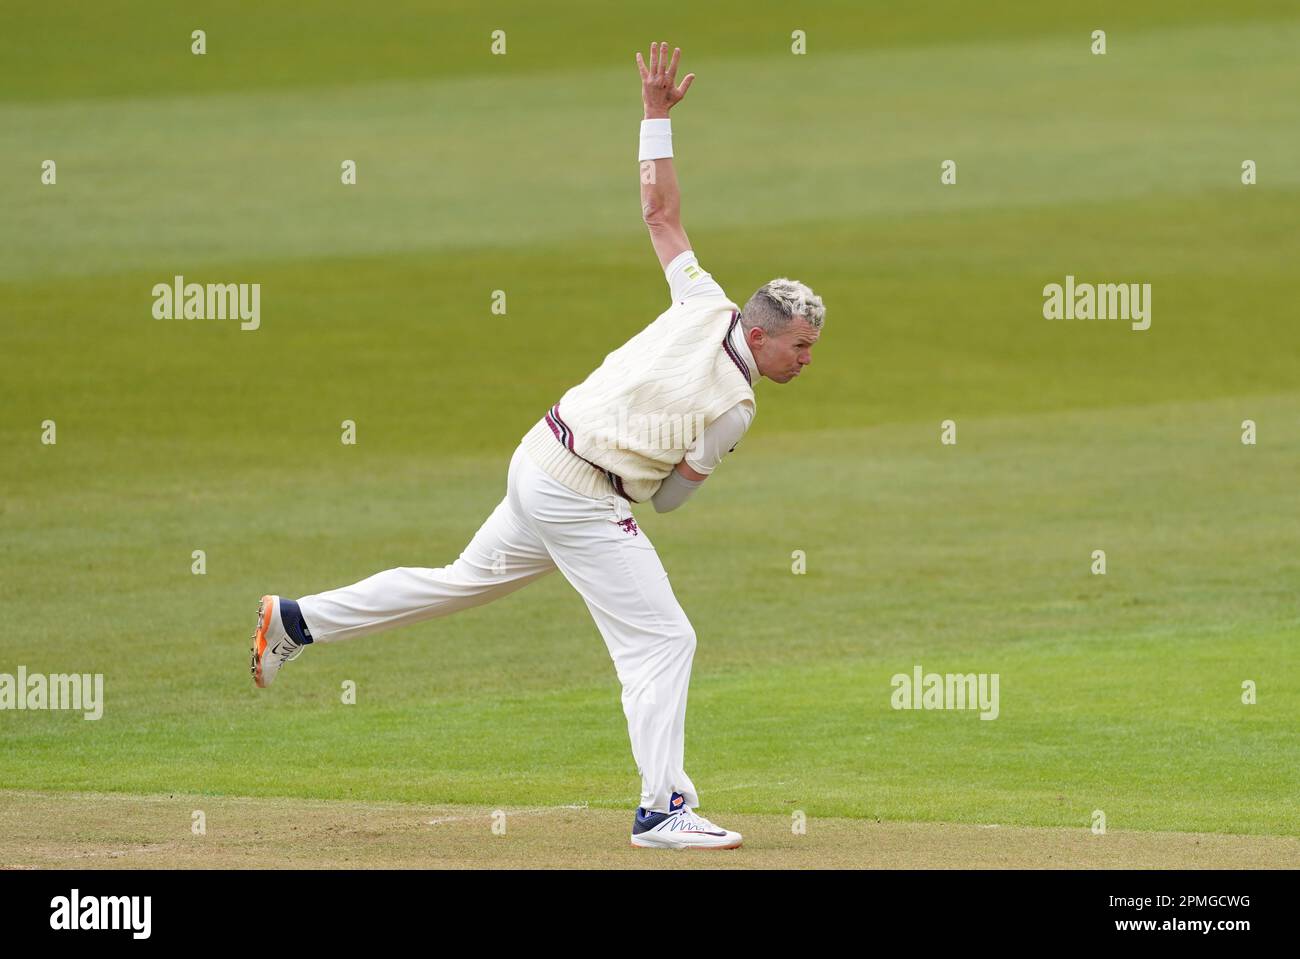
(616, 569)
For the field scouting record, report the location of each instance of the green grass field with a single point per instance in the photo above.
(1120, 693)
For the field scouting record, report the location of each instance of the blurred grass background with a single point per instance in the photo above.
(478, 173)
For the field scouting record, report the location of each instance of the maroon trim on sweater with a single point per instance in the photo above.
(565, 437)
(731, 350)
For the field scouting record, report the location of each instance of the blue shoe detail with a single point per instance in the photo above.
(294, 624)
(647, 819)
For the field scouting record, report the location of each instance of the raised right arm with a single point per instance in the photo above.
(661, 207)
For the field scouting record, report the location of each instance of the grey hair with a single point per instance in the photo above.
(776, 303)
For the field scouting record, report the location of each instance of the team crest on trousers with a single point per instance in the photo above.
(629, 525)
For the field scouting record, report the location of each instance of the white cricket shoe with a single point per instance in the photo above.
(683, 828)
(272, 646)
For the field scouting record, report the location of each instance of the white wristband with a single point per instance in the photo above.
(656, 139)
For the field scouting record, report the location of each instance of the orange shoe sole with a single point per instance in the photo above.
(265, 610)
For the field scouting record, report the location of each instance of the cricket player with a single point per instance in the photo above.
(649, 425)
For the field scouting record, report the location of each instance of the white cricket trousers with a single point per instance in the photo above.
(539, 526)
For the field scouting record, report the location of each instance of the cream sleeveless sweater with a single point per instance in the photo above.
(626, 426)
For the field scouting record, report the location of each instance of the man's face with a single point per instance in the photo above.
(781, 357)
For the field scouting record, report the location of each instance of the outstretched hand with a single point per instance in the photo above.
(658, 92)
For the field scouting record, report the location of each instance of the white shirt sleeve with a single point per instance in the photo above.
(675, 490)
(720, 438)
(687, 279)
